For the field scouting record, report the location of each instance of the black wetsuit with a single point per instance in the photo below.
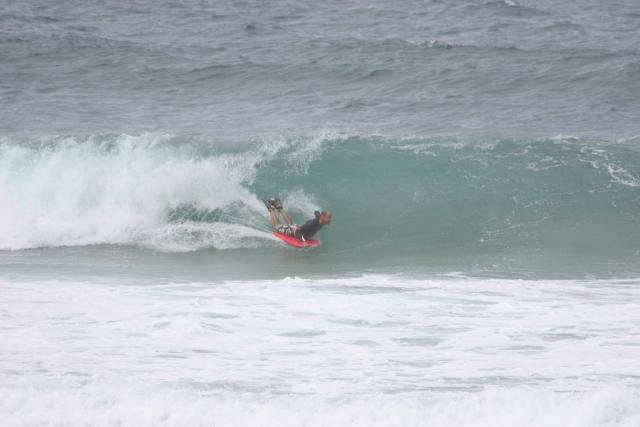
(310, 228)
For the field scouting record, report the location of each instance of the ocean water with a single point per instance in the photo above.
(481, 159)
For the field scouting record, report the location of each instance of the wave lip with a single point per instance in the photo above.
(160, 191)
(121, 190)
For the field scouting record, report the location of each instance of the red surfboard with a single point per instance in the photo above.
(295, 242)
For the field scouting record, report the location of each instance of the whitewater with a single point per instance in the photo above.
(368, 350)
(481, 160)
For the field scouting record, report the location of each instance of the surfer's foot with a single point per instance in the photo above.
(275, 203)
(267, 204)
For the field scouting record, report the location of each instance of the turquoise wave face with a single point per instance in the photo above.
(514, 206)
(537, 207)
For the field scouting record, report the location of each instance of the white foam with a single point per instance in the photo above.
(301, 202)
(84, 192)
(493, 408)
(369, 350)
(600, 159)
(308, 151)
(622, 176)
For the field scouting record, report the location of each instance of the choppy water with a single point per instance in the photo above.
(481, 160)
(250, 67)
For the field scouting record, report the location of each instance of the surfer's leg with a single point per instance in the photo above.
(274, 218)
(286, 216)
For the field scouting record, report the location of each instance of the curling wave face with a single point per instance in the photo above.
(494, 205)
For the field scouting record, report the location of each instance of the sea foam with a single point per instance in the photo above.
(492, 408)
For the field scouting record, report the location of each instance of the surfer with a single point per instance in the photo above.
(303, 232)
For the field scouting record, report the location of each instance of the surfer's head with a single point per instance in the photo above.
(325, 218)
